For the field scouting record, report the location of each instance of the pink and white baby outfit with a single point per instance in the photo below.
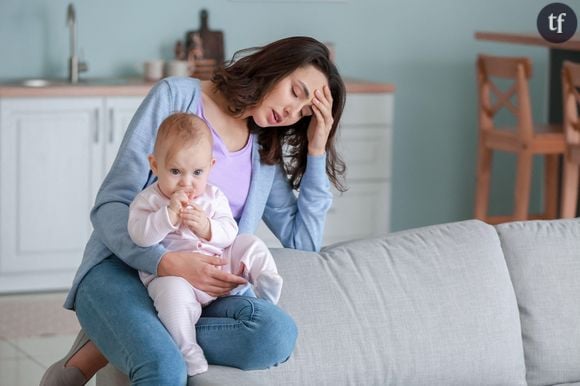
(177, 302)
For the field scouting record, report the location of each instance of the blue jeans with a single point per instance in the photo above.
(116, 312)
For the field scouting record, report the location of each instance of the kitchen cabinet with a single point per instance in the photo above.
(365, 142)
(54, 153)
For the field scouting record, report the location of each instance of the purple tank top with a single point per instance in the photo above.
(232, 171)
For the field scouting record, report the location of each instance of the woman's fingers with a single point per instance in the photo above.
(220, 283)
(217, 292)
(212, 260)
(321, 123)
(327, 94)
(323, 103)
(216, 282)
(229, 278)
(219, 275)
(202, 271)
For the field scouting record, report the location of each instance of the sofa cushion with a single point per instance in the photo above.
(543, 258)
(430, 306)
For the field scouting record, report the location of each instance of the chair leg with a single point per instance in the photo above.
(523, 182)
(569, 189)
(551, 169)
(483, 178)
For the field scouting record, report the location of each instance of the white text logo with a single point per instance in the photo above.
(559, 20)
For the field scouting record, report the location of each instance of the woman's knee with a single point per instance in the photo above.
(274, 338)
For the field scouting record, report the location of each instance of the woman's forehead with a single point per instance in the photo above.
(309, 76)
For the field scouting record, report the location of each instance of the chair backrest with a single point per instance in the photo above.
(492, 99)
(570, 101)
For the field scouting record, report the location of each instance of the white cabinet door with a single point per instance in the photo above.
(118, 113)
(362, 109)
(360, 212)
(49, 157)
(54, 154)
(366, 152)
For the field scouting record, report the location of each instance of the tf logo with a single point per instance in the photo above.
(557, 22)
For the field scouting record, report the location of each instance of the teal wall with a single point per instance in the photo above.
(426, 48)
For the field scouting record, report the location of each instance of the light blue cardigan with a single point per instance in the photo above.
(298, 221)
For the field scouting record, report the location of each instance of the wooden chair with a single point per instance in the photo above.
(525, 139)
(570, 101)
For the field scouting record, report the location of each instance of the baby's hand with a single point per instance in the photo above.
(177, 202)
(195, 219)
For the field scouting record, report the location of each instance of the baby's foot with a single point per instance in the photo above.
(268, 286)
(196, 364)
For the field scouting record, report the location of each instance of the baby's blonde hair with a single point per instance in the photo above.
(180, 130)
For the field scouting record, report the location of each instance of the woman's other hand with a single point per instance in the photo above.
(201, 271)
(321, 122)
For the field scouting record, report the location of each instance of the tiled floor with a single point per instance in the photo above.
(35, 331)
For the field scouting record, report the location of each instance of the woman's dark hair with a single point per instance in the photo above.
(253, 72)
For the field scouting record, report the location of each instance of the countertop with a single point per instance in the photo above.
(138, 87)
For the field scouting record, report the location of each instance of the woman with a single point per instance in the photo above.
(286, 96)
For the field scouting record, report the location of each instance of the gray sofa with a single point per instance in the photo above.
(453, 304)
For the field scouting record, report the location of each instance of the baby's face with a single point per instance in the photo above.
(186, 170)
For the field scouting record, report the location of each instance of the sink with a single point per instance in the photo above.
(36, 82)
(50, 82)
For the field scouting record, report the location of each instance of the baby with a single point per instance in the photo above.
(182, 211)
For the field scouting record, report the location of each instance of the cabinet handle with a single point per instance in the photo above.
(111, 125)
(97, 126)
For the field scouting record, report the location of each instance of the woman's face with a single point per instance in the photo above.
(290, 99)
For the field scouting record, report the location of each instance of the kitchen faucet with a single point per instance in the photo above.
(74, 66)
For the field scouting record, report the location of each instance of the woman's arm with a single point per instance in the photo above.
(129, 174)
(298, 222)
